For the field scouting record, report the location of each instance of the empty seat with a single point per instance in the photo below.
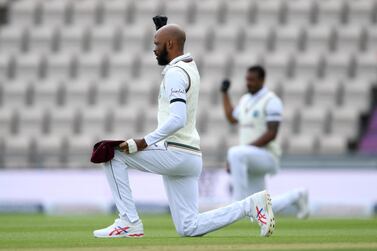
(63, 121)
(32, 121)
(12, 39)
(116, 12)
(50, 151)
(90, 66)
(179, 12)
(140, 92)
(73, 39)
(28, 67)
(278, 65)
(366, 66)
(6, 120)
(208, 89)
(349, 39)
(338, 66)
(288, 39)
(85, 12)
(121, 66)
(18, 151)
(318, 38)
(307, 65)
(299, 12)
(125, 119)
(16, 95)
(149, 67)
(94, 121)
(42, 39)
(217, 121)
(258, 39)
(344, 122)
(269, 12)
(198, 39)
(331, 12)
(208, 12)
(104, 39)
(149, 122)
(226, 38)
(79, 151)
(214, 148)
(24, 13)
(332, 144)
(134, 39)
(144, 10)
(326, 93)
(313, 120)
(238, 13)
(302, 144)
(215, 66)
(77, 93)
(357, 94)
(60, 66)
(295, 92)
(111, 93)
(288, 125)
(47, 94)
(361, 12)
(54, 13)
(6, 67)
(372, 39)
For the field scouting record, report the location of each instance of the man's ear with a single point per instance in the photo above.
(169, 44)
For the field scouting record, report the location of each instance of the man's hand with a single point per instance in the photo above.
(140, 143)
(160, 21)
(225, 85)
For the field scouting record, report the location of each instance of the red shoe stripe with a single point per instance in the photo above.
(135, 235)
(118, 231)
(261, 216)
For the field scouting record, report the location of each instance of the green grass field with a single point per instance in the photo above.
(39, 232)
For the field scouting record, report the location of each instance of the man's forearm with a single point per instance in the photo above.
(264, 140)
(228, 108)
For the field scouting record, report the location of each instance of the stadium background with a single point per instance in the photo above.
(75, 72)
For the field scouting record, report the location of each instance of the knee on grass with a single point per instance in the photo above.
(187, 230)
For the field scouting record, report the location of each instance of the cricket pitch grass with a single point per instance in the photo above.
(41, 232)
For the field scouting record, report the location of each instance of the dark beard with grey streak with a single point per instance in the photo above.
(162, 59)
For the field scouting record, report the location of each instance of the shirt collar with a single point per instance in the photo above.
(260, 93)
(180, 58)
(186, 56)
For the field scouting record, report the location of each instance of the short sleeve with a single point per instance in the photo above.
(176, 84)
(274, 110)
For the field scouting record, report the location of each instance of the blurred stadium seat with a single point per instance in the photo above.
(79, 71)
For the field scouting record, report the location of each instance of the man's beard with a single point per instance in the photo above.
(162, 59)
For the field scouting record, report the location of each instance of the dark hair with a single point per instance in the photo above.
(259, 70)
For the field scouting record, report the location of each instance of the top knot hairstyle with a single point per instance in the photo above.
(259, 70)
(160, 21)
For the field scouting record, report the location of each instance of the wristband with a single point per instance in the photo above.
(132, 147)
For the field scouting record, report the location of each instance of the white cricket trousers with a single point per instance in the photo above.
(249, 165)
(180, 172)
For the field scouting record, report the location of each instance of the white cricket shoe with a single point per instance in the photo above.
(262, 213)
(302, 204)
(121, 228)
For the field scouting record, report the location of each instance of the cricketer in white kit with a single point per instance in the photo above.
(172, 150)
(258, 115)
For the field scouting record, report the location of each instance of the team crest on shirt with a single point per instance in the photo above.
(255, 114)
